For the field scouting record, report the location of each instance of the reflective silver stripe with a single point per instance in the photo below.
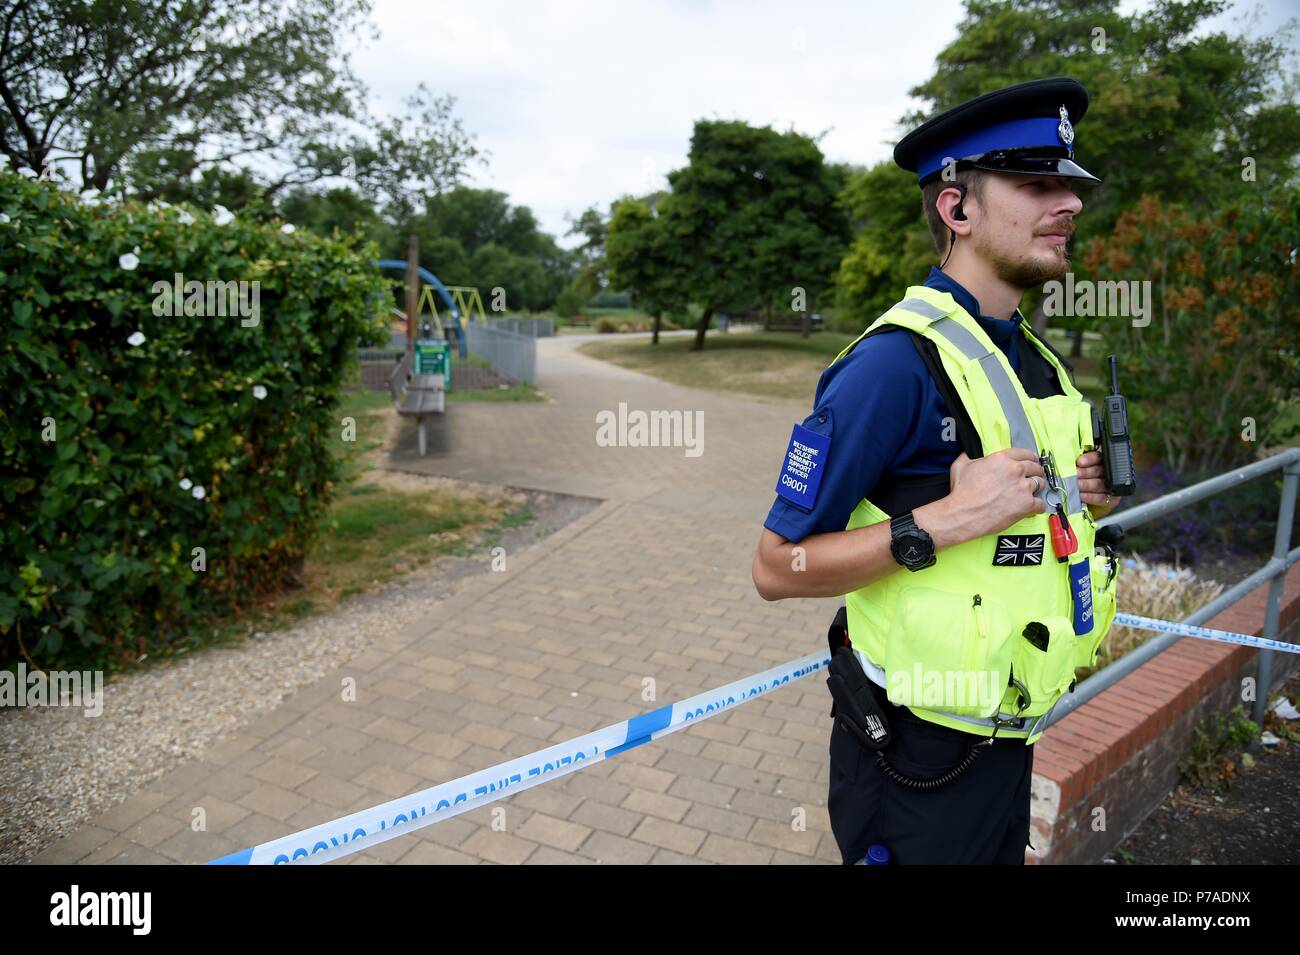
(1074, 504)
(1022, 435)
(1033, 722)
(979, 721)
(962, 337)
(921, 307)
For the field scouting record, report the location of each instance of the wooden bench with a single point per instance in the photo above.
(417, 396)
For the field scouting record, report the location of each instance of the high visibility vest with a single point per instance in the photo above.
(960, 643)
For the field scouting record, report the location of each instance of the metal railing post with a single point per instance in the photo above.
(1273, 609)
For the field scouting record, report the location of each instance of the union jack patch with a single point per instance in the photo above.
(1018, 550)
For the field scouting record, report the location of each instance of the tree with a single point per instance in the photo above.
(891, 246)
(1212, 368)
(341, 209)
(639, 256)
(163, 99)
(1174, 109)
(590, 254)
(751, 218)
(476, 237)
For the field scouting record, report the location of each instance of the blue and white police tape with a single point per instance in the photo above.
(1205, 633)
(340, 837)
(343, 836)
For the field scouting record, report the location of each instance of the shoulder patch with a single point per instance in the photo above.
(801, 472)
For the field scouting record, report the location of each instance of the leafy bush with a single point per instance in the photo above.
(606, 325)
(571, 299)
(1210, 763)
(131, 438)
(1219, 356)
(607, 299)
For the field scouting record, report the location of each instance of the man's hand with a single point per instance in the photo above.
(988, 495)
(1092, 484)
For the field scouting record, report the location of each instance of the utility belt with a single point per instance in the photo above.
(858, 707)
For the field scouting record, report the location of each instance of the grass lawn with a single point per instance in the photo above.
(779, 366)
(516, 392)
(783, 366)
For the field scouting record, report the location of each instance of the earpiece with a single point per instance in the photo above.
(958, 212)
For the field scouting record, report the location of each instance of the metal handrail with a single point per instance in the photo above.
(1289, 463)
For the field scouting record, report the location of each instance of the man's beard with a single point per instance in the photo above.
(1025, 273)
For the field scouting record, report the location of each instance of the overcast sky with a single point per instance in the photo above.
(580, 102)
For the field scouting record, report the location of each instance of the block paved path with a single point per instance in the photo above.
(655, 582)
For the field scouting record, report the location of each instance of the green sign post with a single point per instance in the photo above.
(433, 357)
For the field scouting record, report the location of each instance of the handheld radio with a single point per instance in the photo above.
(1111, 434)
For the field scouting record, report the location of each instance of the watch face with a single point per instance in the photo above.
(911, 547)
(910, 550)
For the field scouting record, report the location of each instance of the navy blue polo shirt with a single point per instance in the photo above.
(879, 414)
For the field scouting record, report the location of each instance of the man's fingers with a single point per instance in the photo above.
(1033, 468)
(1019, 454)
(1095, 486)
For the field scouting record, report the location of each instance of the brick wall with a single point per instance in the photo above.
(1119, 752)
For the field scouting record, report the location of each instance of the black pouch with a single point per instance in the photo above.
(838, 636)
(855, 706)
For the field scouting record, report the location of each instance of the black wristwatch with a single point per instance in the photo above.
(912, 547)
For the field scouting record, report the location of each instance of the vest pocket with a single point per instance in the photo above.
(1087, 439)
(1045, 673)
(948, 651)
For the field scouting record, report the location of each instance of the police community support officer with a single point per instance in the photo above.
(917, 489)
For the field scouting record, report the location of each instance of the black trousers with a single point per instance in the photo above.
(982, 817)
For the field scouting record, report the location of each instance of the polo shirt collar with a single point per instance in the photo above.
(1000, 330)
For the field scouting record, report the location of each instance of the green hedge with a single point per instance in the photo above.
(99, 526)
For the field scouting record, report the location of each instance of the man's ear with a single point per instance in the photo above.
(951, 207)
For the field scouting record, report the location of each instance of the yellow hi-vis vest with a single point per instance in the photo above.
(952, 639)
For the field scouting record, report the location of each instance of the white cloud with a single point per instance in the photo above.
(579, 102)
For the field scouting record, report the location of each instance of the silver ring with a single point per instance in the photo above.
(1108, 500)
(1037, 483)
